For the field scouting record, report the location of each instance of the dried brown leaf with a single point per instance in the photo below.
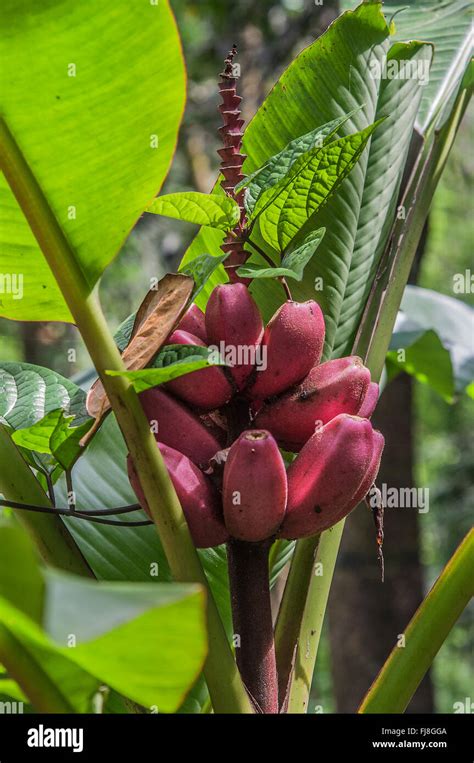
(156, 318)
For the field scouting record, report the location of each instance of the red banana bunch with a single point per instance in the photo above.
(219, 429)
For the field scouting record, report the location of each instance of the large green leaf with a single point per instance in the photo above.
(448, 25)
(104, 84)
(147, 642)
(399, 100)
(426, 359)
(29, 392)
(48, 677)
(21, 582)
(436, 332)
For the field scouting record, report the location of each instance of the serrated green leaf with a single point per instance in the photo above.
(293, 263)
(220, 212)
(280, 164)
(116, 71)
(310, 182)
(201, 269)
(53, 435)
(124, 332)
(37, 437)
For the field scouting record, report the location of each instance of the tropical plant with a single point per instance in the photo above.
(315, 221)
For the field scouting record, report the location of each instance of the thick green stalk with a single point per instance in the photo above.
(225, 686)
(43, 693)
(17, 483)
(287, 626)
(424, 636)
(372, 344)
(324, 555)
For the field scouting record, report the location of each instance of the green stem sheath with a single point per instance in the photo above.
(225, 686)
(424, 636)
(287, 627)
(44, 694)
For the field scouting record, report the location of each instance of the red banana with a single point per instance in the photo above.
(293, 342)
(176, 426)
(233, 319)
(193, 322)
(206, 389)
(198, 498)
(370, 401)
(255, 487)
(338, 386)
(330, 476)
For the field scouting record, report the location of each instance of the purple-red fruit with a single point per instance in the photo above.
(176, 426)
(198, 498)
(331, 475)
(206, 389)
(193, 322)
(234, 324)
(338, 386)
(255, 487)
(292, 344)
(370, 401)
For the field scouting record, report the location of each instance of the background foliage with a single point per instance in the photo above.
(278, 29)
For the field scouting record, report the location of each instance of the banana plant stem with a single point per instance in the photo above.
(225, 686)
(286, 636)
(410, 659)
(44, 694)
(252, 619)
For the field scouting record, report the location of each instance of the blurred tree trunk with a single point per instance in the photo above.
(366, 615)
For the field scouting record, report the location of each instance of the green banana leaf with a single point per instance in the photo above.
(93, 94)
(145, 641)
